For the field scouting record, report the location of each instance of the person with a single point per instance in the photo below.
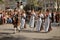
(47, 27)
(0, 18)
(15, 21)
(39, 21)
(18, 4)
(32, 20)
(23, 17)
(42, 18)
(9, 20)
(57, 17)
(52, 17)
(3, 16)
(21, 6)
(19, 19)
(18, 24)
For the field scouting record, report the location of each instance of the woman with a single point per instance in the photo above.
(39, 21)
(47, 27)
(23, 17)
(32, 19)
(1, 18)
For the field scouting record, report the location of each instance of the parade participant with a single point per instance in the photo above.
(18, 24)
(15, 21)
(23, 17)
(19, 19)
(18, 4)
(21, 6)
(42, 18)
(47, 21)
(39, 21)
(1, 18)
(32, 20)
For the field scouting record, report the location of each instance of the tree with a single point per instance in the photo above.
(17, 0)
(33, 2)
(58, 2)
(1, 1)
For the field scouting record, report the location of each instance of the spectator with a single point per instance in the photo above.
(57, 17)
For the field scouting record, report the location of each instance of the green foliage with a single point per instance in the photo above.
(35, 2)
(17, 0)
(1, 1)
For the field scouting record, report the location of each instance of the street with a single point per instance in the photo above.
(6, 33)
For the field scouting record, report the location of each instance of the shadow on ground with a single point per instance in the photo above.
(8, 29)
(29, 31)
(54, 38)
(24, 38)
(10, 37)
(13, 38)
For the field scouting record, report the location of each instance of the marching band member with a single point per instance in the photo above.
(32, 19)
(47, 21)
(23, 17)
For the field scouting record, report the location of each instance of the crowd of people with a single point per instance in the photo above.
(37, 19)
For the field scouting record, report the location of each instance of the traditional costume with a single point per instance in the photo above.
(32, 20)
(23, 17)
(15, 22)
(39, 22)
(47, 23)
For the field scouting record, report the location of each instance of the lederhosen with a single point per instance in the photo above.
(15, 21)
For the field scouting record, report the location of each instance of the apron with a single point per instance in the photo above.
(23, 21)
(47, 23)
(32, 21)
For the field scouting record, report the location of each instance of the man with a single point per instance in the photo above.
(16, 21)
(21, 6)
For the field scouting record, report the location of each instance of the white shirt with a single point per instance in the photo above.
(21, 7)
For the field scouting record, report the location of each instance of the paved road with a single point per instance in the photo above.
(6, 33)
